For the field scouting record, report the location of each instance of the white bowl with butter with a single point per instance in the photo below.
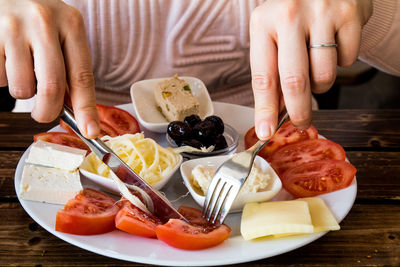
(142, 94)
(264, 193)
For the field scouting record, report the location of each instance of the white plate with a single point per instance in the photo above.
(214, 162)
(142, 94)
(127, 247)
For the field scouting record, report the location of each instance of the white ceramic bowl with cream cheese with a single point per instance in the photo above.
(142, 94)
(214, 162)
(109, 185)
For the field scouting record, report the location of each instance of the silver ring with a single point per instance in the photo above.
(322, 45)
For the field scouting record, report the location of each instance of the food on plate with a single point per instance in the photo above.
(175, 100)
(256, 182)
(90, 212)
(50, 185)
(61, 138)
(287, 134)
(275, 218)
(321, 216)
(105, 129)
(283, 218)
(147, 158)
(194, 236)
(55, 155)
(118, 119)
(295, 154)
(197, 133)
(132, 220)
(318, 177)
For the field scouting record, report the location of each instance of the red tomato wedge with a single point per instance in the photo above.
(293, 155)
(61, 138)
(105, 129)
(199, 235)
(287, 134)
(120, 120)
(89, 213)
(318, 177)
(132, 220)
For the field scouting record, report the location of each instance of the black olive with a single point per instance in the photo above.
(218, 123)
(220, 142)
(192, 120)
(205, 132)
(179, 131)
(193, 143)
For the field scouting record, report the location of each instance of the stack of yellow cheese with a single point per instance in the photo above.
(281, 218)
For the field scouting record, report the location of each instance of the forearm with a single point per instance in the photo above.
(380, 44)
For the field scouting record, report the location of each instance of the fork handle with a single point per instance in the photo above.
(283, 115)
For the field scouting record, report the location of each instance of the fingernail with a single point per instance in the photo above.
(92, 129)
(263, 130)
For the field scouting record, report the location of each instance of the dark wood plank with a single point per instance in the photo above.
(378, 174)
(370, 235)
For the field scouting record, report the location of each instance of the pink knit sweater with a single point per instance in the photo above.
(132, 40)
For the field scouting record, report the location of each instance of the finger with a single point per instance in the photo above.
(263, 58)
(293, 72)
(50, 75)
(323, 60)
(348, 39)
(18, 68)
(3, 76)
(80, 77)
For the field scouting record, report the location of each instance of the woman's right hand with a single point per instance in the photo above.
(44, 51)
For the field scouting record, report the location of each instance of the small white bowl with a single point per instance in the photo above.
(146, 108)
(241, 200)
(109, 185)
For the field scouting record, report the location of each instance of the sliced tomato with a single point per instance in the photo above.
(318, 177)
(120, 120)
(89, 213)
(293, 155)
(287, 134)
(199, 234)
(105, 129)
(132, 220)
(61, 138)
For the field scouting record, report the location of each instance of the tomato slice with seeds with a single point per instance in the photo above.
(133, 220)
(318, 177)
(120, 120)
(198, 235)
(287, 134)
(61, 138)
(91, 212)
(292, 155)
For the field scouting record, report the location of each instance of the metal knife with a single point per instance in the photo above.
(162, 208)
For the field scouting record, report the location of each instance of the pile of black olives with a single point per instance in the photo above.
(194, 132)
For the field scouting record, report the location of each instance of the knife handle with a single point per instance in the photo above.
(96, 145)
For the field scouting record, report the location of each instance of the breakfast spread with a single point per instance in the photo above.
(283, 218)
(256, 182)
(175, 99)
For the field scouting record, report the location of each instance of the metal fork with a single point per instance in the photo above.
(229, 178)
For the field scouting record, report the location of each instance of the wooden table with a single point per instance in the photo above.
(370, 233)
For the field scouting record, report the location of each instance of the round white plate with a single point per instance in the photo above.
(128, 247)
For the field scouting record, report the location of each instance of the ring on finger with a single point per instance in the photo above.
(322, 45)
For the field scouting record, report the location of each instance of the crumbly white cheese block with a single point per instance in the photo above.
(50, 185)
(275, 218)
(321, 216)
(55, 155)
(256, 182)
(175, 99)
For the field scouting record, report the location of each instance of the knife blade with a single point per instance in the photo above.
(162, 208)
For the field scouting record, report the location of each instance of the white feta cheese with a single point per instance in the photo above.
(55, 155)
(50, 185)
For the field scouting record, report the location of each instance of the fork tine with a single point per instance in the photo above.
(213, 193)
(221, 201)
(234, 190)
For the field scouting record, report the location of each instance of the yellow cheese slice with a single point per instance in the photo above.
(321, 216)
(275, 218)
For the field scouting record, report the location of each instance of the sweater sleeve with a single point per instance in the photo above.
(380, 42)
